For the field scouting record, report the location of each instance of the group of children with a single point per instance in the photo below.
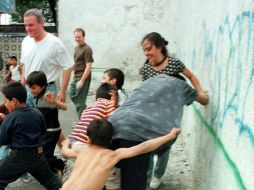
(31, 135)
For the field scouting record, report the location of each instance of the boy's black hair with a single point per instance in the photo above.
(100, 132)
(103, 91)
(118, 75)
(13, 57)
(37, 78)
(15, 90)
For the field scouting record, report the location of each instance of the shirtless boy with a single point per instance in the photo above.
(94, 162)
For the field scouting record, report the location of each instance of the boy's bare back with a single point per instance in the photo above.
(91, 169)
(94, 163)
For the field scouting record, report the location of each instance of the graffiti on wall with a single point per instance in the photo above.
(229, 52)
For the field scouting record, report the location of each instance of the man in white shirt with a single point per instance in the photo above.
(42, 51)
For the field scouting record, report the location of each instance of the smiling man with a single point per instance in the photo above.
(42, 51)
(83, 57)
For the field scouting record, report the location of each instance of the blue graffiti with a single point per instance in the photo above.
(231, 49)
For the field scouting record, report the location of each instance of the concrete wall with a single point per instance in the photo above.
(216, 42)
(114, 31)
(215, 39)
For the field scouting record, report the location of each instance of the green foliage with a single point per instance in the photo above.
(23, 5)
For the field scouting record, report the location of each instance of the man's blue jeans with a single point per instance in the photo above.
(163, 154)
(28, 160)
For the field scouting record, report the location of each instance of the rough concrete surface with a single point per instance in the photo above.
(178, 174)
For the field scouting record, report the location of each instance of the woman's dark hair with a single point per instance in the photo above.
(15, 90)
(157, 40)
(37, 78)
(103, 91)
(100, 131)
(118, 75)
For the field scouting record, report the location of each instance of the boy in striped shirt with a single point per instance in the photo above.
(106, 103)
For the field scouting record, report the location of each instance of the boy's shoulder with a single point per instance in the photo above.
(30, 112)
(27, 110)
(101, 152)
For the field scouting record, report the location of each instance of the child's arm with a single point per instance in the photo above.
(20, 69)
(23, 80)
(8, 75)
(146, 146)
(194, 80)
(85, 75)
(114, 98)
(49, 96)
(67, 151)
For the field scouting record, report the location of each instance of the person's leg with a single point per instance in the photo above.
(51, 141)
(40, 171)
(133, 170)
(13, 166)
(73, 91)
(150, 166)
(78, 97)
(161, 164)
(82, 96)
(163, 155)
(159, 169)
(50, 145)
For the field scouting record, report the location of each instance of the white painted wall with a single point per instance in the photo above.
(216, 42)
(115, 30)
(215, 39)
